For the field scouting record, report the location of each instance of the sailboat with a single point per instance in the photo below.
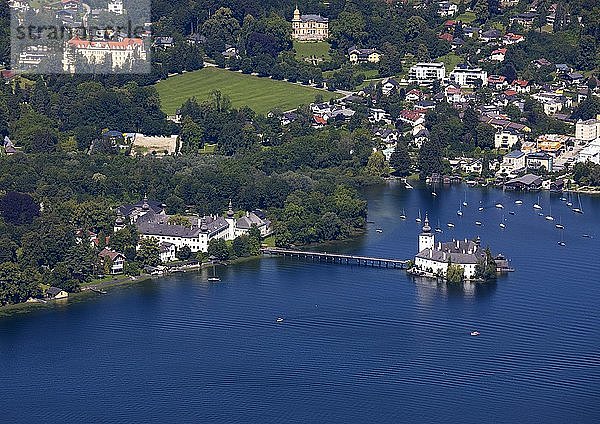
(478, 223)
(403, 216)
(465, 202)
(537, 205)
(562, 239)
(459, 212)
(518, 202)
(559, 225)
(549, 217)
(499, 205)
(569, 200)
(502, 224)
(450, 225)
(418, 219)
(438, 229)
(214, 276)
(579, 208)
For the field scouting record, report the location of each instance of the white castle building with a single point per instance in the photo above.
(433, 258)
(152, 221)
(309, 27)
(121, 54)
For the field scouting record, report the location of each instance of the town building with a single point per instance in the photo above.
(120, 54)
(537, 160)
(167, 252)
(114, 260)
(465, 76)
(356, 55)
(589, 130)
(115, 6)
(152, 222)
(526, 182)
(56, 293)
(434, 258)
(590, 153)
(427, 72)
(507, 138)
(309, 27)
(513, 162)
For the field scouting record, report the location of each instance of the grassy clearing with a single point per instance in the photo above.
(319, 50)
(450, 61)
(260, 94)
(466, 18)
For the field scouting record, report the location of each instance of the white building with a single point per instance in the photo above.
(468, 77)
(115, 6)
(513, 161)
(152, 222)
(309, 27)
(121, 54)
(506, 139)
(427, 72)
(433, 258)
(167, 252)
(590, 152)
(587, 130)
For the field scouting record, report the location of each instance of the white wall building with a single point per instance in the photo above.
(115, 6)
(506, 139)
(427, 72)
(120, 53)
(468, 77)
(590, 152)
(587, 130)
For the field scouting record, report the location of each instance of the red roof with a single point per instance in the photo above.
(510, 93)
(499, 51)
(109, 45)
(320, 120)
(495, 79)
(449, 22)
(412, 115)
(446, 36)
(521, 83)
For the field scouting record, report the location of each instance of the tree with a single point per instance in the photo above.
(18, 208)
(430, 159)
(219, 249)
(455, 273)
(486, 267)
(376, 166)
(191, 136)
(149, 252)
(17, 284)
(400, 160)
(184, 253)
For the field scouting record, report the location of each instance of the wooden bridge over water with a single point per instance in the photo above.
(336, 258)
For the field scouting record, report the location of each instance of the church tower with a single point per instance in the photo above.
(426, 238)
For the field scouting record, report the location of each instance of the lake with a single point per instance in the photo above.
(357, 345)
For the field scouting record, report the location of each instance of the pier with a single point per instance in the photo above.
(336, 258)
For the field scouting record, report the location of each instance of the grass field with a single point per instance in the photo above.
(450, 61)
(319, 50)
(260, 94)
(466, 18)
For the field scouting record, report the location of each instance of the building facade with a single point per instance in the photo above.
(589, 130)
(427, 72)
(309, 27)
(120, 54)
(469, 77)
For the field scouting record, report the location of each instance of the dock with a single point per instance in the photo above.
(336, 258)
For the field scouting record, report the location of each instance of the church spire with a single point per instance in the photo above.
(230, 212)
(426, 227)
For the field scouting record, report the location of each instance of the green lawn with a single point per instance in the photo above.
(450, 60)
(260, 94)
(320, 50)
(466, 18)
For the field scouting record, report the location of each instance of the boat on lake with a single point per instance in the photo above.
(279, 320)
(549, 217)
(578, 209)
(478, 223)
(537, 205)
(403, 216)
(499, 205)
(418, 219)
(475, 333)
(450, 225)
(438, 229)
(518, 202)
(379, 230)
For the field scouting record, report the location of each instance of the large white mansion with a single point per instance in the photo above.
(309, 27)
(151, 221)
(120, 54)
(433, 259)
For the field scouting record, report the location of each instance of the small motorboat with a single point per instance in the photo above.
(279, 320)
(438, 230)
(478, 223)
(499, 205)
(403, 216)
(459, 213)
(434, 194)
(549, 218)
(586, 236)
(511, 212)
(502, 225)
(518, 202)
(563, 199)
(379, 230)
(561, 243)
(214, 279)
(480, 208)
(450, 225)
(475, 333)
(560, 226)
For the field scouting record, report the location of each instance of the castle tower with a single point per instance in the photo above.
(230, 218)
(426, 238)
(297, 17)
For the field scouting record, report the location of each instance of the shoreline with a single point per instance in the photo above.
(120, 280)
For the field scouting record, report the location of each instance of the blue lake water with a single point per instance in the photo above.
(357, 345)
